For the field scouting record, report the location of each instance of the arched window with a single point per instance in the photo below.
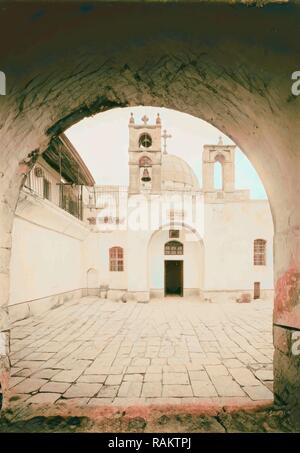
(173, 248)
(145, 141)
(116, 259)
(259, 256)
(218, 172)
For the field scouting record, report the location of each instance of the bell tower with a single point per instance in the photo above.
(144, 156)
(224, 155)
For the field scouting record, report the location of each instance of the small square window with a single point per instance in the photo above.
(174, 234)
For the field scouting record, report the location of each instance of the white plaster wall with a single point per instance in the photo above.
(96, 255)
(138, 279)
(43, 262)
(230, 229)
(46, 251)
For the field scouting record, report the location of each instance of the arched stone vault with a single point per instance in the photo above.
(230, 65)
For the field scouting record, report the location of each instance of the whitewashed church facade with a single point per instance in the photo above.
(161, 236)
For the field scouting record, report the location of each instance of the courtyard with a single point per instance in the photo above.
(98, 352)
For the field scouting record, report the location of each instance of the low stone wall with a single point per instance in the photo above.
(232, 296)
(34, 307)
(38, 306)
(91, 292)
(106, 293)
(28, 308)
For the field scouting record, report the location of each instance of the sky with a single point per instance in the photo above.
(102, 142)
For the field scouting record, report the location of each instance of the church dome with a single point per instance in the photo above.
(177, 174)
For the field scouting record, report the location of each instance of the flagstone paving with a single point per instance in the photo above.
(99, 352)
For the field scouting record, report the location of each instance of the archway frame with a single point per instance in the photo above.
(220, 77)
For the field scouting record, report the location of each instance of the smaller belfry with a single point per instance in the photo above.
(144, 156)
(224, 154)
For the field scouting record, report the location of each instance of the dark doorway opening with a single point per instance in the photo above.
(256, 290)
(173, 278)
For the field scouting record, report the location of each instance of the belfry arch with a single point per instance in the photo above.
(224, 156)
(181, 61)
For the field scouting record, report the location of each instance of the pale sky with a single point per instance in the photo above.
(102, 142)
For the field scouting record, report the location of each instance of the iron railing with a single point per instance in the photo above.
(66, 196)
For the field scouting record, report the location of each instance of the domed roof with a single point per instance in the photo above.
(176, 173)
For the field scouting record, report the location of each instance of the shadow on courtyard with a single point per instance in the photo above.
(155, 419)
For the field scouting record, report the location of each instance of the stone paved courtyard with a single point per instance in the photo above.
(99, 352)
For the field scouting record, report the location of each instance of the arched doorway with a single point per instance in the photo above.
(175, 266)
(92, 282)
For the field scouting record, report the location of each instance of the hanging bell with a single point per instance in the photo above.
(146, 176)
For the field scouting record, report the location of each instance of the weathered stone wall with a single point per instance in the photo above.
(287, 369)
(229, 65)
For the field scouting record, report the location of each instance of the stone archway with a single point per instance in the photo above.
(199, 59)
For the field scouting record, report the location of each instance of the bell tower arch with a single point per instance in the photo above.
(224, 154)
(144, 156)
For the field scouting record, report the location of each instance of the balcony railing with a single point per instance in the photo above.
(66, 196)
(71, 199)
